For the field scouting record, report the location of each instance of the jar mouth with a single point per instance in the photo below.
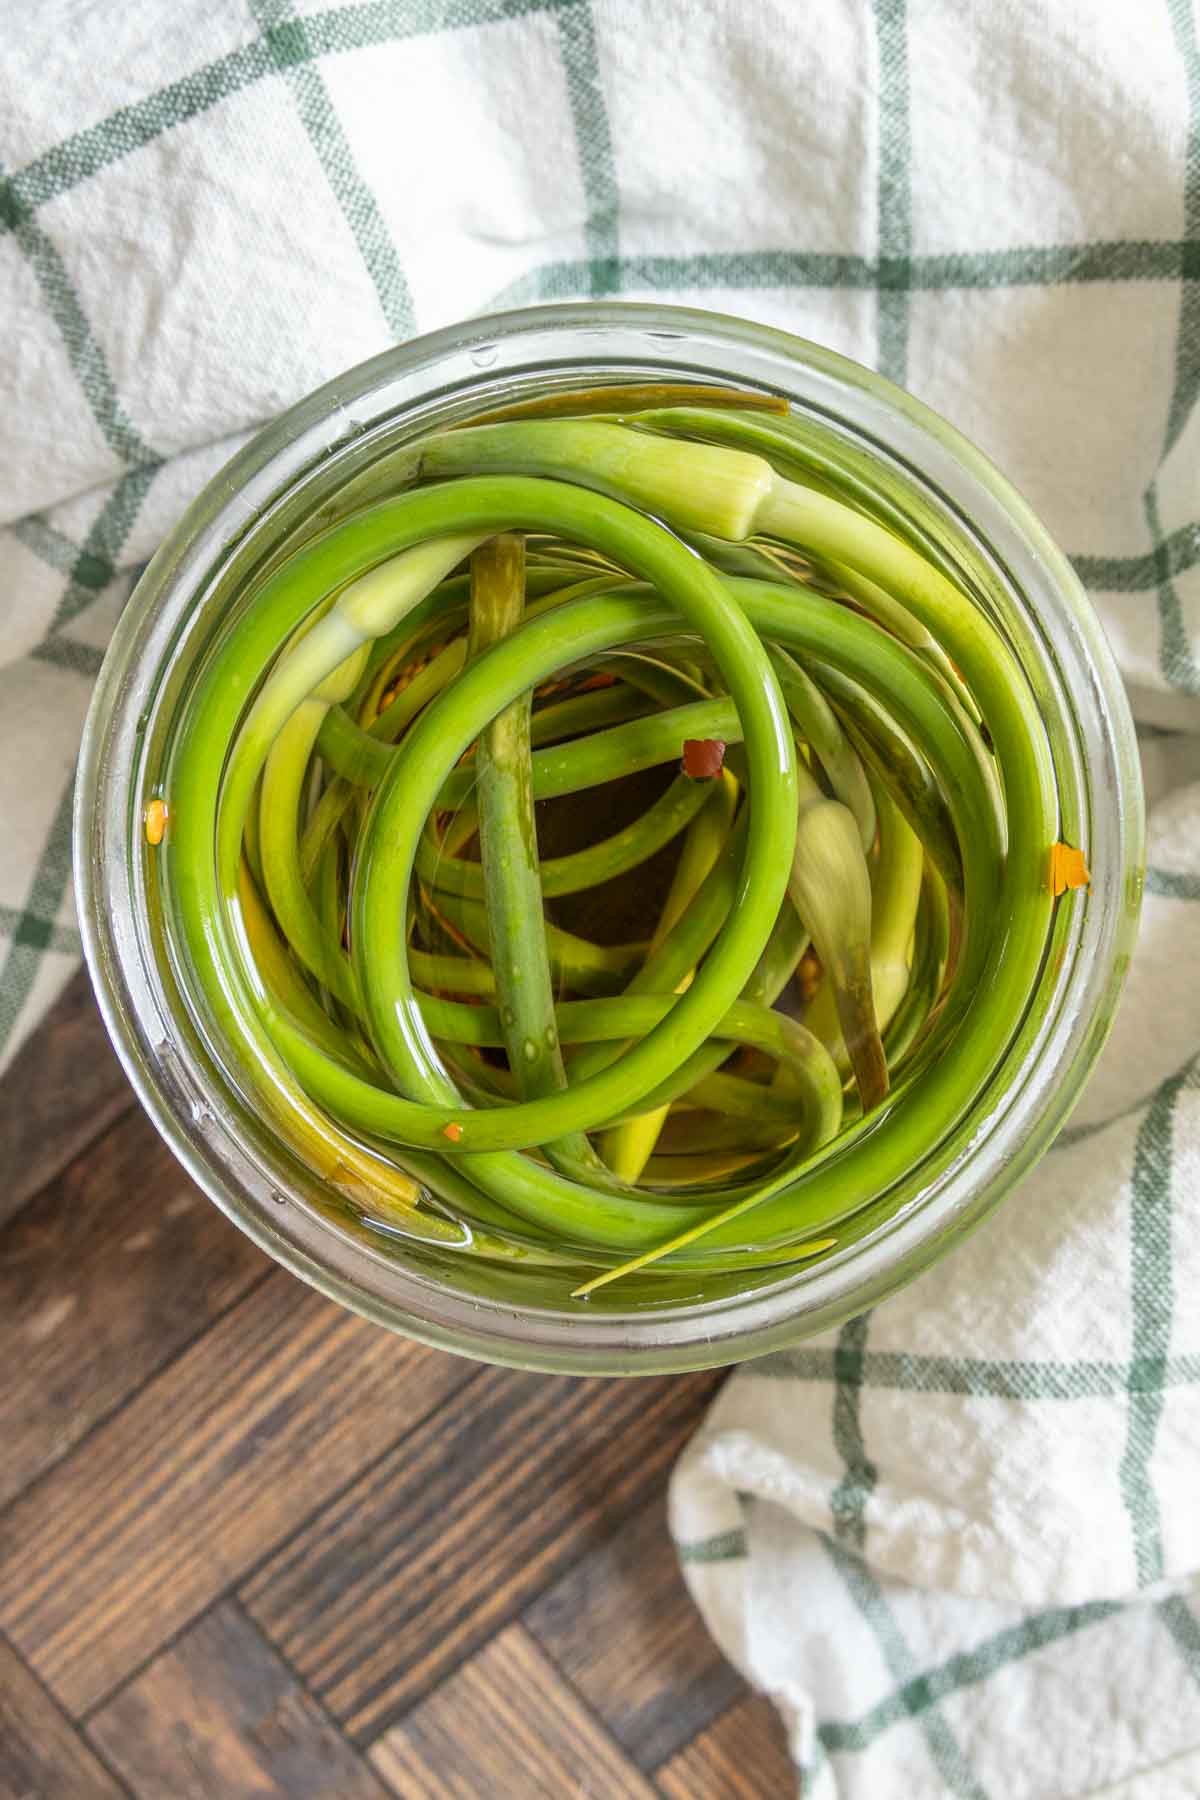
(285, 486)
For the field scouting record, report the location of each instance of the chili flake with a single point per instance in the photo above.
(453, 1131)
(156, 821)
(703, 757)
(1067, 869)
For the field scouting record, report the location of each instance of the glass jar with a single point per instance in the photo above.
(321, 458)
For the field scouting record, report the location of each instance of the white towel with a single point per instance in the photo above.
(956, 1542)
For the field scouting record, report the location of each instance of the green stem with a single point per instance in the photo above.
(509, 855)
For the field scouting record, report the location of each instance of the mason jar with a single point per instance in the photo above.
(333, 452)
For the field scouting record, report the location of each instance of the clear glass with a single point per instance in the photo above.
(325, 455)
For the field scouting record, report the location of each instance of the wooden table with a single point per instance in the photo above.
(252, 1545)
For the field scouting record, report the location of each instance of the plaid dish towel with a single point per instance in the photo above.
(956, 1542)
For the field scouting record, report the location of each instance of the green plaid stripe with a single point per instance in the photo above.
(339, 29)
(130, 128)
(925, 1690)
(23, 956)
(86, 357)
(57, 550)
(577, 37)
(333, 32)
(921, 1703)
(1056, 265)
(920, 1690)
(1120, 260)
(1172, 555)
(1175, 651)
(1076, 1134)
(1152, 1283)
(894, 208)
(743, 270)
(1184, 1628)
(288, 41)
(902, 1372)
(39, 934)
(65, 653)
(1168, 884)
(292, 46)
(33, 931)
(103, 543)
(849, 1498)
(723, 1546)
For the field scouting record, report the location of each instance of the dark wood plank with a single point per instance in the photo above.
(622, 1627)
(114, 1266)
(445, 1540)
(506, 1724)
(210, 1464)
(220, 1714)
(742, 1757)
(62, 1089)
(42, 1756)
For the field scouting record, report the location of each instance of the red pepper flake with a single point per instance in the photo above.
(703, 757)
(1067, 869)
(156, 822)
(453, 1131)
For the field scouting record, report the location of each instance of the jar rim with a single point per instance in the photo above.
(561, 345)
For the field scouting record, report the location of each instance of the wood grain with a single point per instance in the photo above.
(461, 1582)
(505, 1724)
(212, 1463)
(448, 1537)
(742, 1757)
(109, 1271)
(62, 1090)
(220, 1715)
(622, 1627)
(42, 1756)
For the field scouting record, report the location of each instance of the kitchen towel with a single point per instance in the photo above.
(955, 1541)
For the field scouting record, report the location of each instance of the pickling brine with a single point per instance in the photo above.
(619, 847)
